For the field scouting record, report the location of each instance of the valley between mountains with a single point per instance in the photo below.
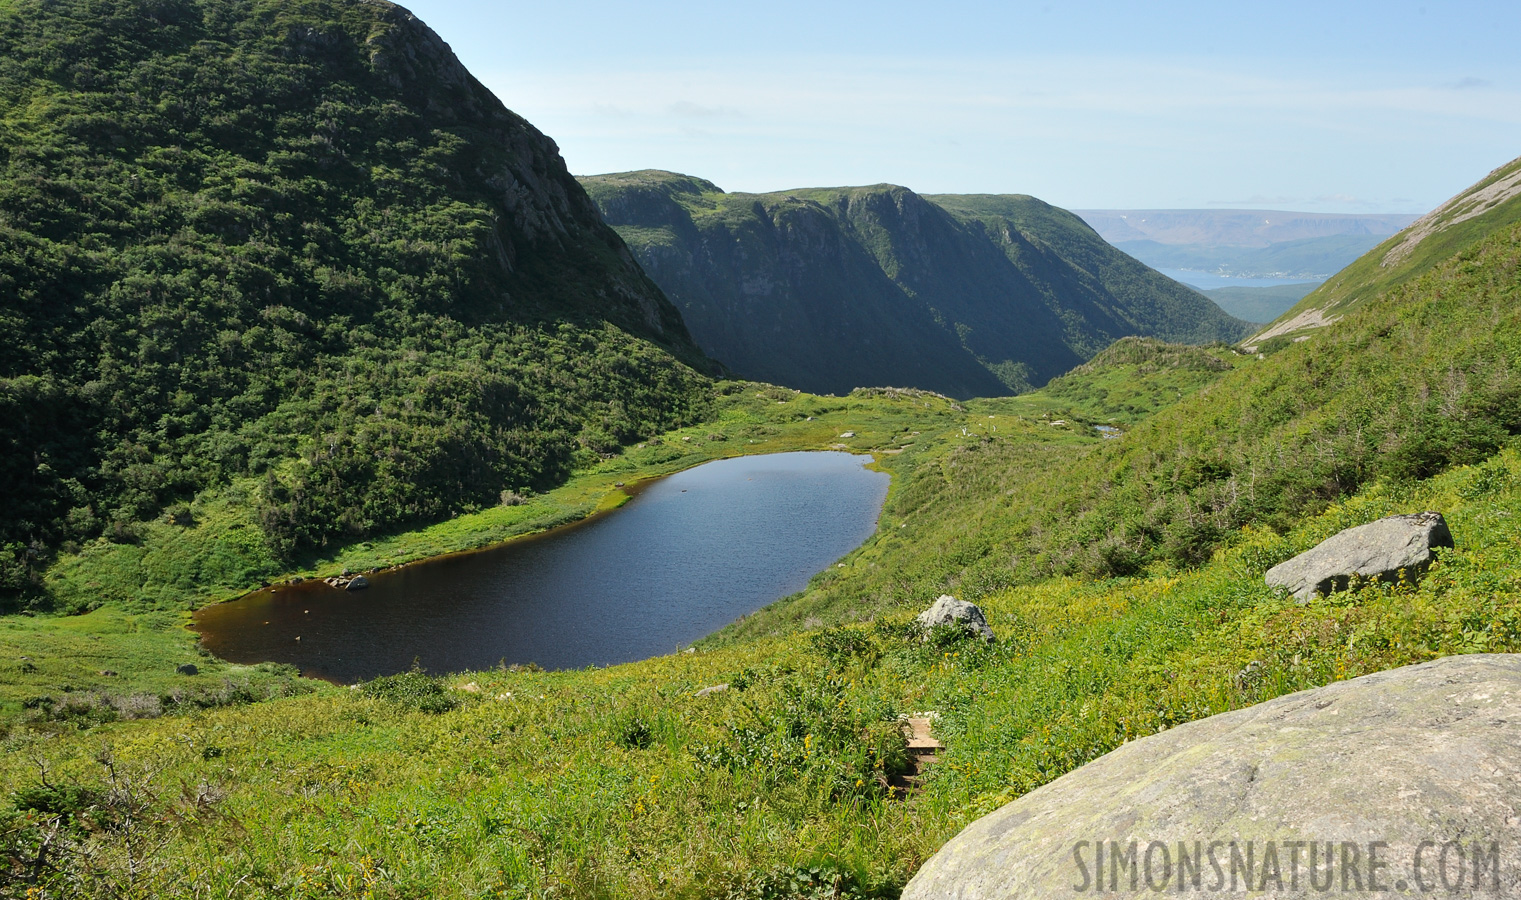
(291, 293)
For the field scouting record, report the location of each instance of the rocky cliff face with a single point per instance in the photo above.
(830, 289)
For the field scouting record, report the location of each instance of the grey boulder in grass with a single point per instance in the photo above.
(947, 610)
(1392, 771)
(1379, 551)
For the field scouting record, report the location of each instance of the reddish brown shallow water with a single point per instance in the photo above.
(685, 557)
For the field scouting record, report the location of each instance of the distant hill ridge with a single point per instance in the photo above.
(1234, 227)
(828, 289)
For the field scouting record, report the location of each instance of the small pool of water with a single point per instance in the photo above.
(688, 555)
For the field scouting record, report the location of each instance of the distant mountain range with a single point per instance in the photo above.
(1244, 243)
(828, 289)
(1235, 227)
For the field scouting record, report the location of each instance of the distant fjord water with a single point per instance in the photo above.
(1207, 281)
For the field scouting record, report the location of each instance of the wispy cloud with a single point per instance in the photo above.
(1468, 83)
(686, 109)
(1257, 201)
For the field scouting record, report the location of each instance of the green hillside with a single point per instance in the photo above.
(828, 289)
(635, 781)
(294, 242)
(1456, 227)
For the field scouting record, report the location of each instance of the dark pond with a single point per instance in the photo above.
(689, 554)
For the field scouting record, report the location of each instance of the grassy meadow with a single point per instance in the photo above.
(632, 781)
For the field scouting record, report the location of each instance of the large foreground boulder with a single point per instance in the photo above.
(1380, 550)
(1407, 782)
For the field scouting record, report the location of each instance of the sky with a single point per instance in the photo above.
(1349, 107)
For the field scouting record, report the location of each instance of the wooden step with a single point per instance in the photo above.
(917, 729)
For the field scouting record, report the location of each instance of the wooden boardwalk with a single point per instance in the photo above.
(923, 751)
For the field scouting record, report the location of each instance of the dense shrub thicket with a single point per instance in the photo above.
(294, 240)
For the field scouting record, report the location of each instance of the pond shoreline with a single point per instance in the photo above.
(615, 498)
(599, 591)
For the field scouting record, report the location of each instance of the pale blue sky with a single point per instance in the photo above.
(1323, 106)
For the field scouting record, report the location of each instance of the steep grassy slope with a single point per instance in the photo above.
(1101, 295)
(831, 289)
(1456, 227)
(298, 242)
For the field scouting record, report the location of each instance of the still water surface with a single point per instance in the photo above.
(689, 554)
(1208, 281)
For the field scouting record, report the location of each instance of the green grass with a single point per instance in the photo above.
(633, 781)
(155, 583)
(108, 664)
(1260, 304)
(625, 782)
(1128, 382)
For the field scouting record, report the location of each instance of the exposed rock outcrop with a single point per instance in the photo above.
(1390, 774)
(1380, 550)
(347, 582)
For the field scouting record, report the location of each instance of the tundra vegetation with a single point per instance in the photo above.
(148, 475)
(633, 781)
